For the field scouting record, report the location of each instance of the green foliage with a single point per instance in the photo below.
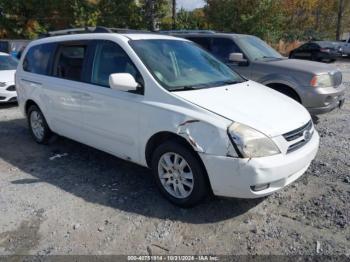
(271, 20)
(262, 18)
(84, 13)
(190, 19)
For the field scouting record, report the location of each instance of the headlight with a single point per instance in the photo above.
(324, 80)
(250, 142)
(2, 84)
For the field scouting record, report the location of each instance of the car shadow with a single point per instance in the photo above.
(100, 178)
(8, 105)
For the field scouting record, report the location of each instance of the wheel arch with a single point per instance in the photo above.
(157, 139)
(285, 88)
(28, 104)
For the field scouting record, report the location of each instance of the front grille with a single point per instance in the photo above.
(337, 78)
(302, 134)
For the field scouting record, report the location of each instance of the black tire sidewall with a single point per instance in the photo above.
(200, 188)
(47, 131)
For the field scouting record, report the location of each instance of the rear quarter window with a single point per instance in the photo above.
(38, 59)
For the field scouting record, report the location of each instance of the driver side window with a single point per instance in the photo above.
(110, 58)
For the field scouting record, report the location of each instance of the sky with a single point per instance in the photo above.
(189, 4)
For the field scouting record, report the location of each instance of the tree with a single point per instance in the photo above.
(28, 18)
(122, 13)
(153, 12)
(263, 18)
(339, 18)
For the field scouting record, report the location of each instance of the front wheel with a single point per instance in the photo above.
(179, 174)
(38, 125)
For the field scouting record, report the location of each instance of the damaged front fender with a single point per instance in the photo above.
(206, 138)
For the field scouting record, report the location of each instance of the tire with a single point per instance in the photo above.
(314, 57)
(177, 177)
(38, 126)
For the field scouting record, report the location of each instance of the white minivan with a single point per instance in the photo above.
(165, 103)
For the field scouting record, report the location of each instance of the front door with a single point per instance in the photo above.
(111, 117)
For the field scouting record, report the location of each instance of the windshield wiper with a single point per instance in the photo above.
(226, 82)
(183, 88)
(189, 87)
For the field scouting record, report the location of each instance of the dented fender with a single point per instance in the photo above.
(206, 138)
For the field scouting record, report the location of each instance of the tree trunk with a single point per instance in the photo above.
(174, 14)
(340, 16)
(150, 15)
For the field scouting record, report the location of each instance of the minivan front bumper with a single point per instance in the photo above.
(258, 177)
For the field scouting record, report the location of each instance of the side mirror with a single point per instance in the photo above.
(123, 82)
(238, 58)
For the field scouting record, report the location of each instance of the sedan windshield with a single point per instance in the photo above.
(257, 49)
(181, 65)
(8, 62)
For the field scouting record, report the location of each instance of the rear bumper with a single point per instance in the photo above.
(236, 177)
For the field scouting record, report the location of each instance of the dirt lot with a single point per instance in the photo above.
(88, 202)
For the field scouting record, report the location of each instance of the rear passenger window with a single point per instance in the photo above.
(223, 47)
(37, 59)
(109, 59)
(69, 63)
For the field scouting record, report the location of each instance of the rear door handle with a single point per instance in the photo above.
(32, 83)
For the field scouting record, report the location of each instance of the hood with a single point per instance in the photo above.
(251, 104)
(7, 76)
(302, 65)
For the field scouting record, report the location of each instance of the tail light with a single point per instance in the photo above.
(326, 50)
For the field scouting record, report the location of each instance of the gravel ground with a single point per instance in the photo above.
(88, 202)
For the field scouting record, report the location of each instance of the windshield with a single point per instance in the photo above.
(257, 49)
(181, 65)
(8, 62)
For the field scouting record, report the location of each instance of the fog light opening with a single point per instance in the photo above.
(257, 188)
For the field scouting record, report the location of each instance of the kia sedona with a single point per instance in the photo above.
(164, 103)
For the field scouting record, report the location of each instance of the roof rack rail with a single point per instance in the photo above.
(97, 29)
(169, 32)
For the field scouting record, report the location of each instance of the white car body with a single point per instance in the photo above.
(123, 123)
(7, 81)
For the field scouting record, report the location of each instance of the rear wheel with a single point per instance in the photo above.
(179, 174)
(38, 125)
(314, 57)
